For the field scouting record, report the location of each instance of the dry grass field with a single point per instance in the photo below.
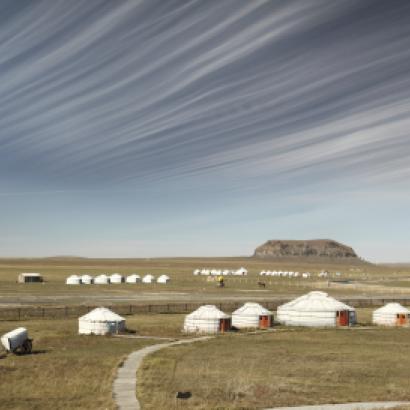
(283, 368)
(364, 279)
(69, 371)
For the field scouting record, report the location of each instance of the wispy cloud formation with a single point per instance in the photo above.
(98, 92)
(205, 97)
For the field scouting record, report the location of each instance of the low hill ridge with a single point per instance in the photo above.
(315, 248)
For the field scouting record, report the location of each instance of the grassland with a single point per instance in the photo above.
(282, 368)
(364, 279)
(69, 371)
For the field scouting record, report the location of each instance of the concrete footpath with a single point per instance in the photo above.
(125, 383)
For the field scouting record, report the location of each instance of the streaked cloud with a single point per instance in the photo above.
(203, 98)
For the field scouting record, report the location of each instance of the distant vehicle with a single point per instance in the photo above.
(17, 341)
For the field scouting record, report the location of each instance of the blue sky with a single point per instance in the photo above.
(185, 128)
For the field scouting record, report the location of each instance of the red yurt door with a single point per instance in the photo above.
(224, 325)
(401, 319)
(264, 322)
(343, 318)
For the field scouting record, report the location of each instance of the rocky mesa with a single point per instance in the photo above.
(316, 248)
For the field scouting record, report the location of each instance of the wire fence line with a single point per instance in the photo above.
(72, 311)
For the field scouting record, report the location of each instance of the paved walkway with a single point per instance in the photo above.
(125, 383)
(348, 406)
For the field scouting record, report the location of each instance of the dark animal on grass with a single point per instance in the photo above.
(261, 284)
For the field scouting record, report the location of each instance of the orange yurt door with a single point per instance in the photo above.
(264, 322)
(343, 318)
(224, 325)
(401, 319)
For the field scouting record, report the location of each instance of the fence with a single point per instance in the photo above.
(61, 312)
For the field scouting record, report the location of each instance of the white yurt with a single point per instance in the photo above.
(86, 279)
(252, 315)
(163, 279)
(134, 278)
(197, 272)
(316, 309)
(148, 279)
(241, 272)
(100, 321)
(116, 278)
(392, 314)
(101, 280)
(73, 280)
(207, 319)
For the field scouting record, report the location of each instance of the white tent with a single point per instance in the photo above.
(252, 315)
(134, 278)
(73, 280)
(163, 279)
(86, 279)
(116, 278)
(100, 321)
(392, 314)
(241, 272)
(148, 279)
(207, 319)
(101, 280)
(316, 309)
(197, 272)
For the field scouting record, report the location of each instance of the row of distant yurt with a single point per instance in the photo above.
(115, 278)
(220, 272)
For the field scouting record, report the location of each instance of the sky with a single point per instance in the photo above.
(159, 128)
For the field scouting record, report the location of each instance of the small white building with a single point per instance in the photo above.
(133, 278)
(252, 315)
(30, 277)
(100, 321)
(392, 314)
(86, 279)
(73, 280)
(164, 279)
(101, 280)
(316, 309)
(148, 279)
(207, 319)
(241, 272)
(116, 278)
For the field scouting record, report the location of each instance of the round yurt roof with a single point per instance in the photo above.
(102, 315)
(208, 312)
(252, 309)
(102, 276)
(149, 276)
(315, 302)
(116, 275)
(392, 308)
(164, 277)
(134, 275)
